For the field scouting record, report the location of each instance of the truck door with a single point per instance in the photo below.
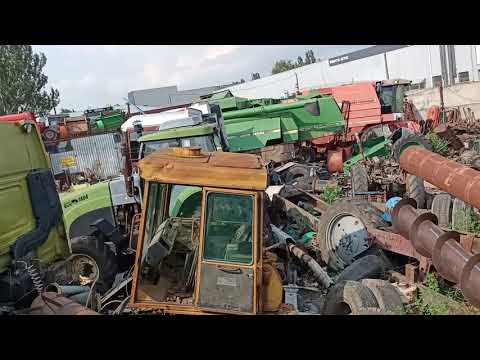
(228, 257)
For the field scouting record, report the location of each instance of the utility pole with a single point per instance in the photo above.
(296, 84)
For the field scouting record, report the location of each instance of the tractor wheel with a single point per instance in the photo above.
(409, 138)
(295, 173)
(415, 189)
(103, 256)
(343, 234)
(369, 266)
(442, 208)
(359, 178)
(470, 158)
(50, 135)
(387, 296)
(375, 132)
(349, 298)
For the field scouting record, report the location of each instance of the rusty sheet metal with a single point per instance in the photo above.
(51, 303)
(454, 178)
(98, 154)
(450, 259)
(216, 169)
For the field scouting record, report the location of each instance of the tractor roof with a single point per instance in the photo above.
(190, 166)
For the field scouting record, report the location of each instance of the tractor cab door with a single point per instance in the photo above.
(228, 263)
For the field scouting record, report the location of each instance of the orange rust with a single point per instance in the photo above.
(456, 179)
(216, 169)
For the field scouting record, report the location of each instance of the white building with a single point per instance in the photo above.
(424, 65)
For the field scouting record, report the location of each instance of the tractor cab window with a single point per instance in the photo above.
(170, 244)
(229, 223)
(387, 98)
(206, 143)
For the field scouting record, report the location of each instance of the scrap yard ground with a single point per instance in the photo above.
(344, 198)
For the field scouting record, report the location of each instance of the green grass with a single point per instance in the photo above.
(436, 298)
(439, 145)
(331, 194)
(467, 222)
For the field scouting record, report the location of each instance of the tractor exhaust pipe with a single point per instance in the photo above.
(458, 180)
(450, 259)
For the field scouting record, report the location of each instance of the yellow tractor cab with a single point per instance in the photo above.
(210, 260)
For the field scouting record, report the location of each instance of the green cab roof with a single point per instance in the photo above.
(182, 132)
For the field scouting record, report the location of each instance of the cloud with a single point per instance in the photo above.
(98, 75)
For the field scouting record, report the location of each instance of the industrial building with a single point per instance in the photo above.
(425, 65)
(169, 96)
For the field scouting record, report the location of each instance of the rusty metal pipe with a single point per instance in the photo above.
(50, 303)
(319, 273)
(456, 179)
(450, 259)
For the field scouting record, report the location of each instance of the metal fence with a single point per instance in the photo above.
(98, 154)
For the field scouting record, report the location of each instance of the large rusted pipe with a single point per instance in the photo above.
(458, 180)
(450, 259)
(50, 303)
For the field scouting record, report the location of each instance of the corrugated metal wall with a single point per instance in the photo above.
(99, 154)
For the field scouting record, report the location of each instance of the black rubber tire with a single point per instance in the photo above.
(359, 178)
(387, 296)
(356, 296)
(409, 138)
(374, 132)
(50, 135)
(415, 189)
(296, 172)
(370, 216)
(103, 256)
(442, 209)
(369, 266)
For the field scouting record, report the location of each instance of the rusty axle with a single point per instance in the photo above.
(450, 259)
(456, 179)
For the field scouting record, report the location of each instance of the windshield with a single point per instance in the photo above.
(204, 142)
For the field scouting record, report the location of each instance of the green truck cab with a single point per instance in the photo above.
(32, 231)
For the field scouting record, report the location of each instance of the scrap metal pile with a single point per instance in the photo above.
(290, 217)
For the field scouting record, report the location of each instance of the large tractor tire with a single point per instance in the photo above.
(103, 256)
(359, 178)
(369, 266)
(349, 298)
(407, 139)
(375, 132)
(415, 189)
(343, 234)
(387, 296)
(442, 208)
(295, 173)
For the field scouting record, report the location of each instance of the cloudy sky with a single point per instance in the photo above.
(99, 75)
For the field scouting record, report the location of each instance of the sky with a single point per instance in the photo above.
(98, 75)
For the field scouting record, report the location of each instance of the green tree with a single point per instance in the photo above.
(255, 76)
(22, 82)
(300, 61)
(282, 65)
(309, 57)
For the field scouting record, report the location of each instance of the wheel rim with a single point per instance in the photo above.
(347, 237)
(85, 269)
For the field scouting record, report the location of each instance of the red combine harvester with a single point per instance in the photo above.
(377, 108)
